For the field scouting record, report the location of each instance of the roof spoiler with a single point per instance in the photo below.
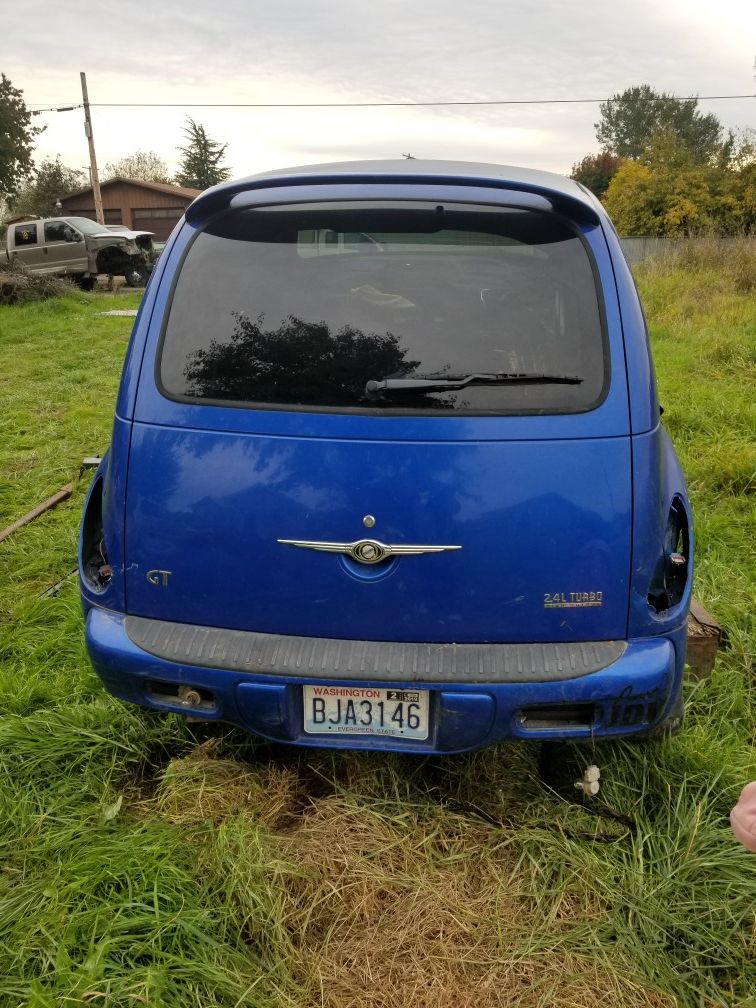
(219, 197)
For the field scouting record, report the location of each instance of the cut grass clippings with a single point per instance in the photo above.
(143, 861)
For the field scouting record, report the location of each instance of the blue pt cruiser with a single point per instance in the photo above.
(387, 469)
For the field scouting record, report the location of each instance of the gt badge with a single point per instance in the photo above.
(159, 578)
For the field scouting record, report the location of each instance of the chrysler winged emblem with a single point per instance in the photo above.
(367, 551)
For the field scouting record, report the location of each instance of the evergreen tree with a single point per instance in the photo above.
(200, 165)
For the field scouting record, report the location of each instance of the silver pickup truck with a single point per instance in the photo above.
(81, 249)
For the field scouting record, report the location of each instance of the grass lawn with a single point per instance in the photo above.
(144, 862)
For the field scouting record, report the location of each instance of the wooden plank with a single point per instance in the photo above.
(705, 637)
(54, 589)
(63, 494)
(704, 618)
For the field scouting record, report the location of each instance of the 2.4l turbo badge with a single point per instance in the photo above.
(573, 600)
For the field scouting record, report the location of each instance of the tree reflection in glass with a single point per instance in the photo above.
(298, 362)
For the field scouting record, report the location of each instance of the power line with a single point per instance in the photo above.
(395, 104)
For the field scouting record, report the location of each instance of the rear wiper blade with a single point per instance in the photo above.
(446, 383)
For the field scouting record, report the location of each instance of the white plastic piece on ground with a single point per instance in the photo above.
(589, 782)
(125, 312)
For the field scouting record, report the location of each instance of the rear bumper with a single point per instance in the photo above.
(630, 694)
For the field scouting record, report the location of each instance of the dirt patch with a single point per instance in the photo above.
(388, 911)
(383, 892)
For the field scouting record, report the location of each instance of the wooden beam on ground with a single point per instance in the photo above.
(54, 589)
(63, 494)
(705, 637)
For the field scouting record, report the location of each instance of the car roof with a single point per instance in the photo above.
(427, 167)
(407, 170)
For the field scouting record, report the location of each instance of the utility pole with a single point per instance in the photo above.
(95, 178)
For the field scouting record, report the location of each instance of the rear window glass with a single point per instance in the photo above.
(395, 308)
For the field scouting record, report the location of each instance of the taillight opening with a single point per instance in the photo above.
(96, 570)
(672, 570)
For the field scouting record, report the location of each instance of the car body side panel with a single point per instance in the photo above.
(644, 401)
(658, 479)
(67, 257)
(31, 257)
(112, 475)
(154, 295)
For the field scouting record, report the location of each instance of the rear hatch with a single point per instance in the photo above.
(427, 385)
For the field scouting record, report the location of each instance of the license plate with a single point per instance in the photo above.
(347, 710)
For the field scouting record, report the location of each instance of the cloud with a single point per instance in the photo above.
(382, 50)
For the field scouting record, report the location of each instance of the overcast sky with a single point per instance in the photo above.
(361, 51)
